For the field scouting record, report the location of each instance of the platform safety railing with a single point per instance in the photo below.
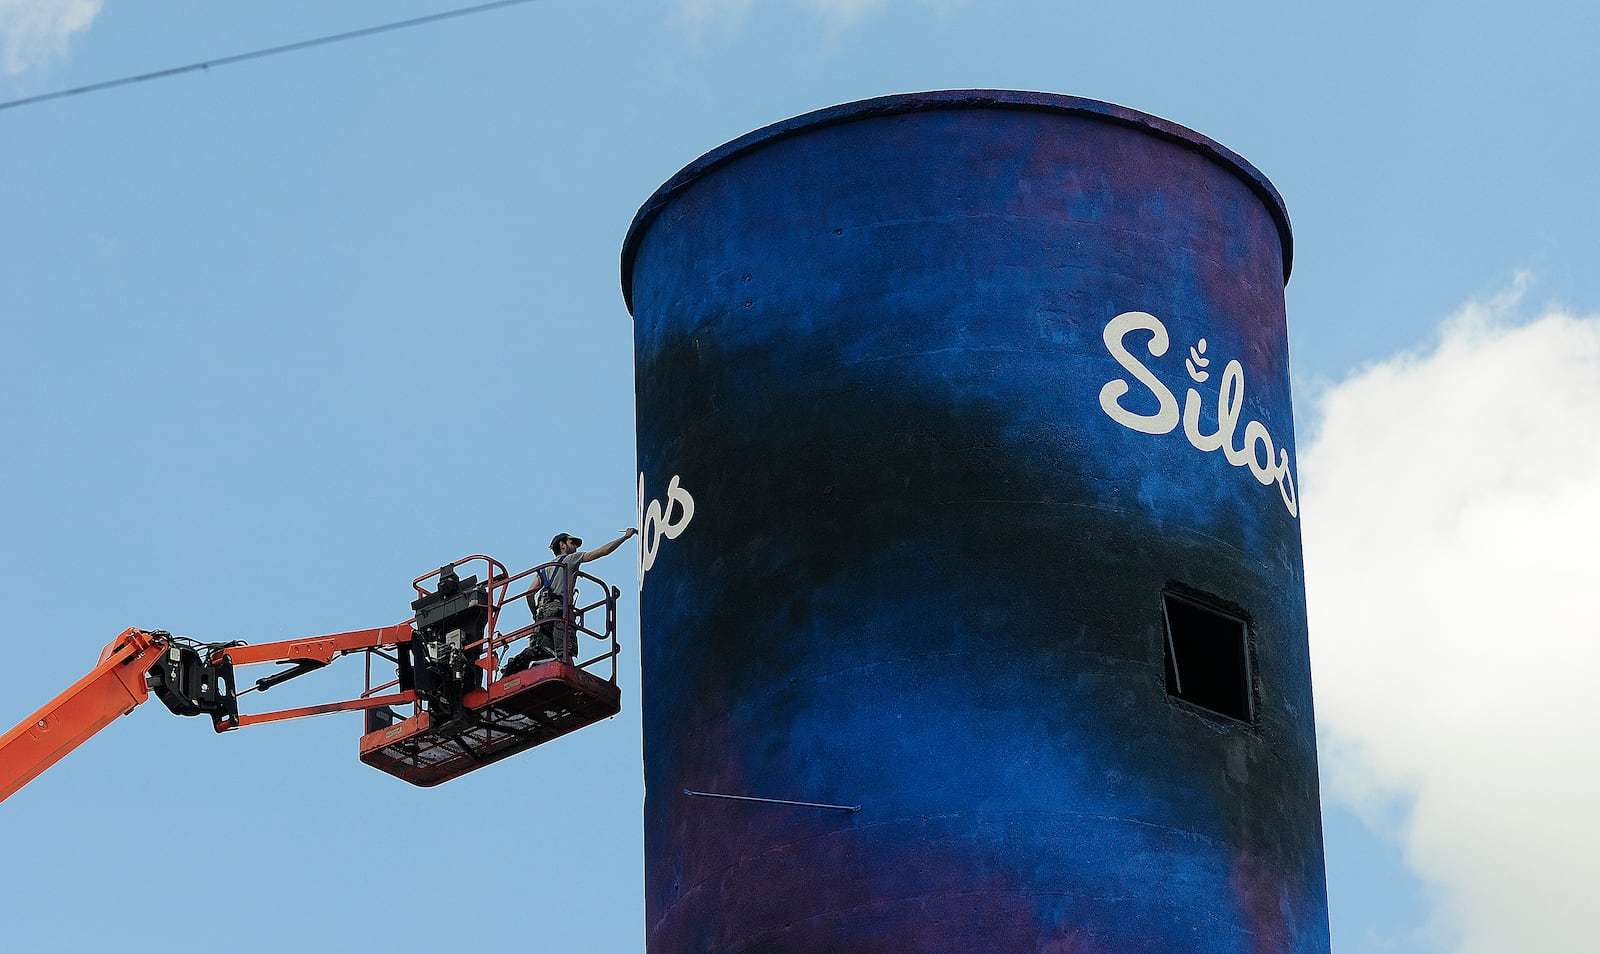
(509, 592)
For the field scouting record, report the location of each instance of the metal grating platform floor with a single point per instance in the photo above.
(514, 714)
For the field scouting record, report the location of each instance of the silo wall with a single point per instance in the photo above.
(945, 402)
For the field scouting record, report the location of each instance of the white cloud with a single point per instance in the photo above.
(34, 31)
(1452, 521)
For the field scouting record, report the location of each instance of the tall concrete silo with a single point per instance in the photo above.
(968, 491)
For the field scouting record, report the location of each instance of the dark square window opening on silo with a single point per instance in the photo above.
(1208, 658)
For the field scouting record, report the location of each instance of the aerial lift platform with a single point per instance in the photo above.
(439, 698)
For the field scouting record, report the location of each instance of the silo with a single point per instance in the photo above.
(972, 614)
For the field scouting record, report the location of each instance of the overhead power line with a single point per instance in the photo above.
(271, 51)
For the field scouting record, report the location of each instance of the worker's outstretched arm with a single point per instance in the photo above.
(609, 548)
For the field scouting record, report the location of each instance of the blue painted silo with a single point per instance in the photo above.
(967, 489)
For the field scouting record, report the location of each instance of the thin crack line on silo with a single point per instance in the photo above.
(775, 801)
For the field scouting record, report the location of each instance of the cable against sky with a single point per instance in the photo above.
(263, 53)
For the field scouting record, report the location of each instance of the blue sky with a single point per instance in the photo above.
(280, 336)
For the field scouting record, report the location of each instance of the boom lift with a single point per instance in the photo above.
(466, 711)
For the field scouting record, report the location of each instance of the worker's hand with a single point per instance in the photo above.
(630, 532)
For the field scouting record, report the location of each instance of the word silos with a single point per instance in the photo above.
(972, 610)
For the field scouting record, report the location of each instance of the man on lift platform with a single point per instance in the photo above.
(558, 639)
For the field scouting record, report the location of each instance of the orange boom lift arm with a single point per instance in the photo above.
(112, 689)
(446, 659)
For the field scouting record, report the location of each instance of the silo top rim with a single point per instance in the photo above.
(953, 99)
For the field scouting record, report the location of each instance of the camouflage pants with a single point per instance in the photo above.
(554, 639)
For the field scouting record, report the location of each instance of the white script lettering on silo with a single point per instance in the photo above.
(1257, 451)
(658, 522)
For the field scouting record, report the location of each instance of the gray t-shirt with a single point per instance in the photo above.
(555, 577)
